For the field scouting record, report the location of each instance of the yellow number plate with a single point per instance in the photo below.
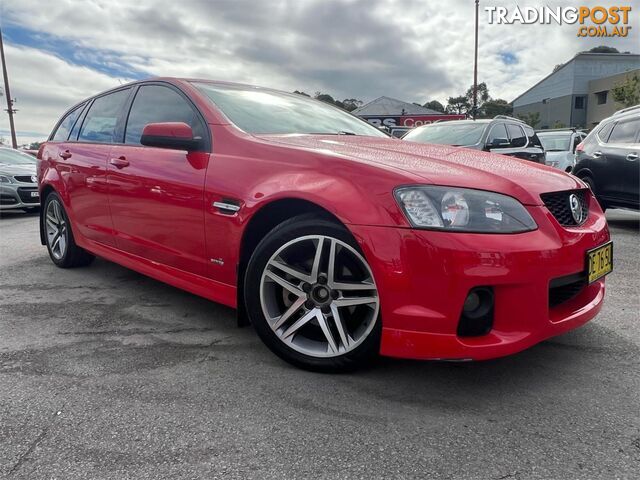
(600, 261)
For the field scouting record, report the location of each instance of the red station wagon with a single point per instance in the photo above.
(334, 240)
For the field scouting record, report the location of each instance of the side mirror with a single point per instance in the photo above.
(173, 135)
(499, 143)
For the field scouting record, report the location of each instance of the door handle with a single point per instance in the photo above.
(119, 162)
(632, 156)
(65, 155)
(597, 154)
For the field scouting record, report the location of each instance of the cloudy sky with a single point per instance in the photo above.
(59, 52)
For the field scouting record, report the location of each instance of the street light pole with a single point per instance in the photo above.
(475, 68)
(7, 92)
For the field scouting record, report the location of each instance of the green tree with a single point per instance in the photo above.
(483, 96)
(627, 93)
(458, 104)
(435, 105)
(301, 93)
(324, 97)
(530, 118)
(491, 108)
(34, 145)
(350, 104)
(603, 49)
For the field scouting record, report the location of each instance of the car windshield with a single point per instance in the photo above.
(269, 112)
(555, 142)
(11, 157)
(448, 134)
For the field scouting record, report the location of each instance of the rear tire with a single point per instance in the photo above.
(60, 243)
(333, 311)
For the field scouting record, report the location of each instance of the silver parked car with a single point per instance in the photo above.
(18, 181)
(560, 145)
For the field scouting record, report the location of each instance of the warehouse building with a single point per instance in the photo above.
(570, 95)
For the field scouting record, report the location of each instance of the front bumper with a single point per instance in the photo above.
(423, 278)
(18, 195)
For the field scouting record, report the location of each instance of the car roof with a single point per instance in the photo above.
(625, 112)
(557, 130)
(460, 122)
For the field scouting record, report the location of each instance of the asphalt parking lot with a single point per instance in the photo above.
(105, 373)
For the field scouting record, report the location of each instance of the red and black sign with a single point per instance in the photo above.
(409, 120)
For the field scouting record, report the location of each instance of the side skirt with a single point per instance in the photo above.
(201, 286)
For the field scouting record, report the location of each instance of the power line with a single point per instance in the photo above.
(10, 110)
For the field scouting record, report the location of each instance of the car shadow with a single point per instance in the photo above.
(8, 214)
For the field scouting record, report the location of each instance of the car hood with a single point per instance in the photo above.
(441, 164)
(6, 169)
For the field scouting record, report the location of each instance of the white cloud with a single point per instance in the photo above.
(44, 86)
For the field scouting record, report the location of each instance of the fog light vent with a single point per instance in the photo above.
(477, 313)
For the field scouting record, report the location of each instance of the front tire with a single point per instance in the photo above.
(59, 237)
(311, 296)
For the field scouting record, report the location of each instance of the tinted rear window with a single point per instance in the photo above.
(534, 141)
(625, 132)
(517, 136)
(101, 121)
(604, 131)
(62, 132)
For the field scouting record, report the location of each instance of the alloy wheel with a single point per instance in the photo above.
(56, 228)
(319, 296)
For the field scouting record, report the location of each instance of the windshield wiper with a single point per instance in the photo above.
(345, 132)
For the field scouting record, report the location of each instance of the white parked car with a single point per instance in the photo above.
(560, 146)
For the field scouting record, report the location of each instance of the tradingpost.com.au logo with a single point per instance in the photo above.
(593, 21)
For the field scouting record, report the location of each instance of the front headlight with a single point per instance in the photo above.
(463, 210)
(4, 179)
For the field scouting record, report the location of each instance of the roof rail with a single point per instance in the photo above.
(507, 117)
(628, 109)
(573, 129)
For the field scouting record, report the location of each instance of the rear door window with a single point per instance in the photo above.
(517, 135)
(100, 124)
(62, 132)
(625, 132)
(576, 141)
(604, 132)
(533, 139)
(498, 135)
(156, 103)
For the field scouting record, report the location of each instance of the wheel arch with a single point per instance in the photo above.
(265, 219)
(584, 172)
(44, 193)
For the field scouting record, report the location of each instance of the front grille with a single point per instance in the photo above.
(25, 195)
(23, 178)
(559, 204)
(563, 289)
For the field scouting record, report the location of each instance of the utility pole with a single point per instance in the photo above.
(475, 68)
(10, 110)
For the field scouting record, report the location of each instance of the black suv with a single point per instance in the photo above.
(502, 134)
(607, 160)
